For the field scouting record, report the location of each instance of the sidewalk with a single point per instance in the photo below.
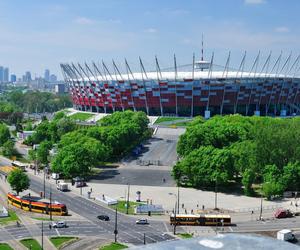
(189, 198)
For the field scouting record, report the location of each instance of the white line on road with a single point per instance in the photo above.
(230, 228)
(165, 224)
(57, 232)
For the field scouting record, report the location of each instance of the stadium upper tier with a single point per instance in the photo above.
(171, 76)
(200, 88)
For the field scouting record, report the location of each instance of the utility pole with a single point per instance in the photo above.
(178, 200)
(175, 222)
(261, 203)
(42, 235)
(144, 239)
(44, 183)
(50, 203)
(127, 203)
(216, 195)
(116, 225)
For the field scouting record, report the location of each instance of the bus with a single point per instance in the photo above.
(201, 219)
(19, 165)
(37, 206)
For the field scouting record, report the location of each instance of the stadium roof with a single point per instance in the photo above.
(183, 76)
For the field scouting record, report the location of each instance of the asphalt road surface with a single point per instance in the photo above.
(128, 231)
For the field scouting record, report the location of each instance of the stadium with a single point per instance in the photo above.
(199, 88)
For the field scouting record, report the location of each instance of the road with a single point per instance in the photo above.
(128, 230)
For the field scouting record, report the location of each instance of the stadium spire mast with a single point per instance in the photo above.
(202, 51)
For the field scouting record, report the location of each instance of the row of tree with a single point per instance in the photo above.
(241, 150)
(82, 148)
(34, 101)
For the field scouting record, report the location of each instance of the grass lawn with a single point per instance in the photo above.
(5, 246)
(11, 218)
(182, 124)
(122, 208)
(81, 116)
(167, 119)
(113, 246)
(58, 241)
(31, 244)
(185, 236)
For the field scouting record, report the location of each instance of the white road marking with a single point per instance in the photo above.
(165, 224)
(57, 232)
(230, 228)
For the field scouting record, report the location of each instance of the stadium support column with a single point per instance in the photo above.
(175, 81)
(159, 77)
(207, 111)
(143, 71)
(225, 73)
(286, 64)
(254, 67)
(128, 70)
(241, 69)
(277, 63)
(97, 71)
(266, 68)
(193, 83)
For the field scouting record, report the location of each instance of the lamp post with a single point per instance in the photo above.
(178, 199)
(216, 195)
(127, 203)
(50, 203)
(175, 207)
(116, 225)
(261, 204)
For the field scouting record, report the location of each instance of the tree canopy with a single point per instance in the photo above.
(18, 180)
(243, 150)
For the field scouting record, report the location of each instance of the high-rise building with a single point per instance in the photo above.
(5, 75)
(1, 73)
(27, 77)
(13, 78)
(53, 78)
(47, 75)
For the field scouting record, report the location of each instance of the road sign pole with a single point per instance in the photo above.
(144, 239)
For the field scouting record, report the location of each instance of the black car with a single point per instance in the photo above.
(103, 217)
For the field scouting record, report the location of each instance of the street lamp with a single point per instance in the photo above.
(261, 204)
(127, 203)
(42, 235)
(116, 225)
(50, 203)
(216, 195)
(175, 222)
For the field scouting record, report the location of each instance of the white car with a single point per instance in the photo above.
(142, 222)
(59, 224)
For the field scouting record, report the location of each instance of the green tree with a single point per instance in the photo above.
(8, 148)
(18, 180)
(42, 152)
(4, 134)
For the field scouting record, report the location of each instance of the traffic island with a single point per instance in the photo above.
(12, 217)
(113, 246)
(31, 244)
(5, 246)
(61, 242)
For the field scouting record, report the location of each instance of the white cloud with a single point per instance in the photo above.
(254, 1)
(282, 29)
(84, 20)
(150, 30)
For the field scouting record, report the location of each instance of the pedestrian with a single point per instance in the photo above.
(185, 211)
(91, 190)
(182, 205)
(291, 203)
(202, 207)
(164, 180)
(192, 211)
(50, 227)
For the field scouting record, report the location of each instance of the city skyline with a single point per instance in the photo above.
(64, 31)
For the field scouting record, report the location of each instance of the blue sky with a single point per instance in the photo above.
(39, 34)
